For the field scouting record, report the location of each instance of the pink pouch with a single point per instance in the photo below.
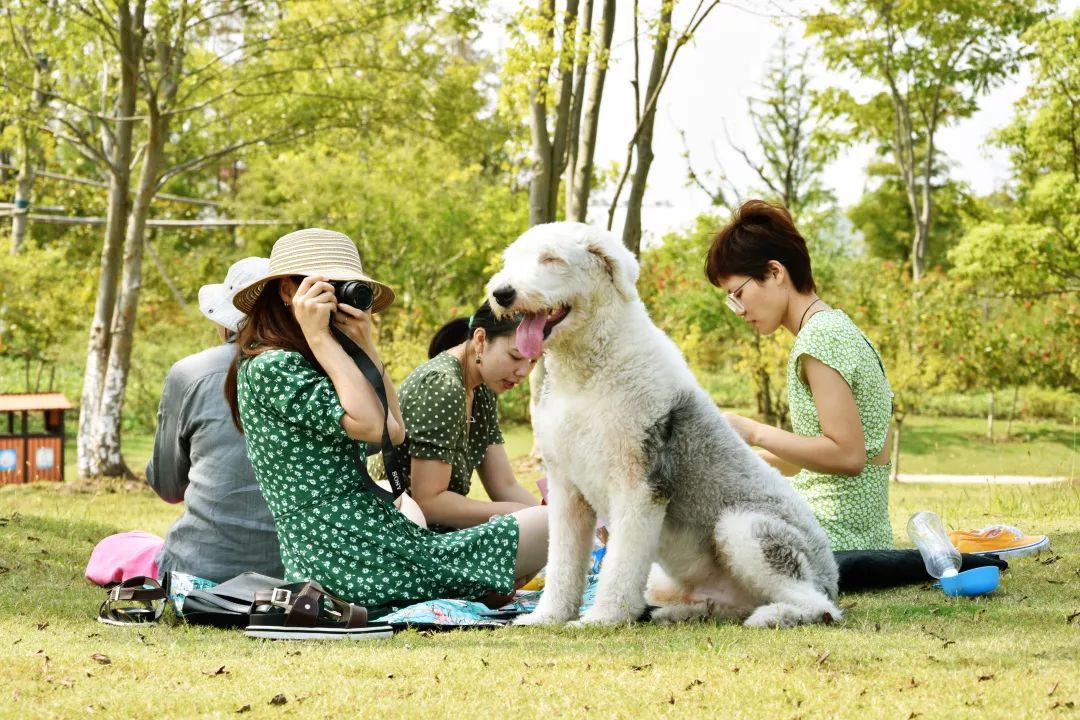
(122, 556)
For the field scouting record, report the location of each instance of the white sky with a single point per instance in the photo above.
(708, 89)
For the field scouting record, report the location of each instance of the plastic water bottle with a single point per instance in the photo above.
(942, 559)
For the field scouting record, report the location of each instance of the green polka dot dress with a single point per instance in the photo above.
(433, 408)
(332, 530)
(854, 511)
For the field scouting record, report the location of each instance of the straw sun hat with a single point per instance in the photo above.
(314, 251)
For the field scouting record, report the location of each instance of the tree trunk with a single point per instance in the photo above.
(24, 184)
(899, 421)
(582, 48)
(29, 157)
(123, 330)
(577, 205)
(95, 458)
(632, 224)
(1012, 411)
(540, 209)
(565, 61)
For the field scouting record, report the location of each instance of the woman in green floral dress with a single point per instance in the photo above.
(839, 397)
(304, 405)
(451, 414)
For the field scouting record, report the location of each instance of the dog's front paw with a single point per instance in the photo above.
(608, 615)
(542, 617)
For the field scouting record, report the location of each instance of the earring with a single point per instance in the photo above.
(477, 358)
(285, 303)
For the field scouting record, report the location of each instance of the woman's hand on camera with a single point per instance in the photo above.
(312, 305)
(356, 324)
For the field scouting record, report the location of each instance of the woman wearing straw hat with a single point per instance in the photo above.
(303, 405)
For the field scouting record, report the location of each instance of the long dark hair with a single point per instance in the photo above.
(759, 232)
(461, 329)
(269, 326)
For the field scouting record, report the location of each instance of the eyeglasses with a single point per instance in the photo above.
(733, 302)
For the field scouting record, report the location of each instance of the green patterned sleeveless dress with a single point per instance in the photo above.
(330, 528)
(854, 511)
(433, 407)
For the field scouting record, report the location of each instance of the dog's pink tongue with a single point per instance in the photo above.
(530, 335)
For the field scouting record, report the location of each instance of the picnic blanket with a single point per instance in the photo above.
(443, 614)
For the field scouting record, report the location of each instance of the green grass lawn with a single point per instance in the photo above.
(898, 654)
(952, 446)
(955, 446)
(958, 446)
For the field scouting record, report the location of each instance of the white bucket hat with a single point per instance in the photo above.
(314, 251)
(216, 300)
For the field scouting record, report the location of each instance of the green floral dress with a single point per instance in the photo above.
(437, 428)
(332, 530)
(854, 511)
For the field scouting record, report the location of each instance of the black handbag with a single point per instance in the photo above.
(227, 605)
(878, 569)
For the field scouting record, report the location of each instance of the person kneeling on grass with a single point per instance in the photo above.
(839, 395)
(303, 406)
(452, 422)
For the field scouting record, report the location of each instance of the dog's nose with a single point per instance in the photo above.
(505, 295)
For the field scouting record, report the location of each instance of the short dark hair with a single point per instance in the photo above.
(759, 232)
(459, 330)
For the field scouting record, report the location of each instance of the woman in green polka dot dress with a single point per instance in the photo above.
(839, 397)
(303, 406)
(452, 420)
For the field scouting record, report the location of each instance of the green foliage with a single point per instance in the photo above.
(40, 298)
(1031, 245)
(927, 63)
(883, 219)
(935, 336)
(1032, 403)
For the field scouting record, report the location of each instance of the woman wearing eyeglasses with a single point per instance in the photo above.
(839, 397)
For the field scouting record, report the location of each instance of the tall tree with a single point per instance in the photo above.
(24, 67)
(639, 153)
(1030, 247)
(932, 62)
(794, 139)
(228, 76)
(554, 51)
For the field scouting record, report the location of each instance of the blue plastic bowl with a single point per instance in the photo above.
(977, 581)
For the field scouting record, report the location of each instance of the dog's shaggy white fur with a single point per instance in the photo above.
(626, 432)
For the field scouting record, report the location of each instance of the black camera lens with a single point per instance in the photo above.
(354, 292)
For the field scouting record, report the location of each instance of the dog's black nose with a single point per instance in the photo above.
(505, 295)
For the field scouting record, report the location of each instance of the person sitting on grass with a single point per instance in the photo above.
(304, 406)
(199, 457)
(452, 422)
(839, 395)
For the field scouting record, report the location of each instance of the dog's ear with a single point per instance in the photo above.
(621, 267)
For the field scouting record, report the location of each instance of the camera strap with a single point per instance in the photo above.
(391, 458)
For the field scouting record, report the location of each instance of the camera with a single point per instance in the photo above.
(354, 292)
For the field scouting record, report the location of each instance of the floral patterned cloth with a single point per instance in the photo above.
(854, 511)
(330, 529)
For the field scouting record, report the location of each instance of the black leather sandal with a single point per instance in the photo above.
(298, 612)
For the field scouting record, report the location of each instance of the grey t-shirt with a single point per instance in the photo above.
(199, 458)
